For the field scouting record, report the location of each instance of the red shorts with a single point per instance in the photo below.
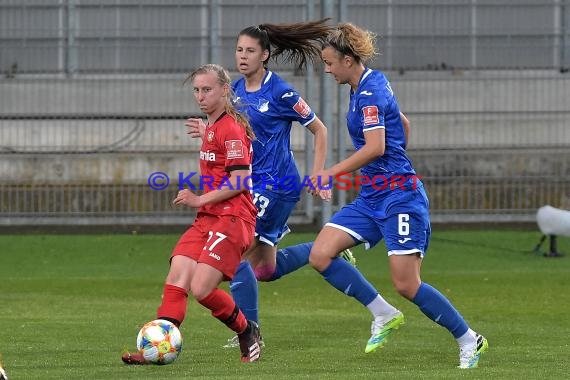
(219, 241)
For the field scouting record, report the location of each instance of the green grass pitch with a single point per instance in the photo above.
(69, 304)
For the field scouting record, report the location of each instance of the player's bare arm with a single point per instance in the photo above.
(406, 125)
(188, 198)
(373, 148)
(319, 130)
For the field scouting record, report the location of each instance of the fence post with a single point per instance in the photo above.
(214, 31)
(561, 33)
(473, 35)
(309, 95)
(327, 10)
(72, 22)
(341, 102)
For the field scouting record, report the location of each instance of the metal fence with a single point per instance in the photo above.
(92, 102)
(127, 36)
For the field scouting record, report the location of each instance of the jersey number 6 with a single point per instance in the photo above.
(403, 225)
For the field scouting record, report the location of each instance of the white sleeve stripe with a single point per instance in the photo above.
(310, 121)
(371, 128)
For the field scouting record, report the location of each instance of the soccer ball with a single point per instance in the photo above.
(3, 375)
(159, 341)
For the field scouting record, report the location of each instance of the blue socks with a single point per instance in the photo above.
(244, 291)
(290, 259)
(244, 284)
(438, 308)
(347, 279)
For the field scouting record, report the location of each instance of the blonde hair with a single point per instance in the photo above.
(348, 39)
(224, 79)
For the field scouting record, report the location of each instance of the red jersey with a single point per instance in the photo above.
(226, 147)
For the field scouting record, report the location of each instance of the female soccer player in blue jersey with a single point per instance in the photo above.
(392, 204)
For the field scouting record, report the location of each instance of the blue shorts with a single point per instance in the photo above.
(272, 215)
(401, 219)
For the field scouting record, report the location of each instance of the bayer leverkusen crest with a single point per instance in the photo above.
(210, 136)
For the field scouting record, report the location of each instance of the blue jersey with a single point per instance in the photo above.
(271, 111)
(373, 105)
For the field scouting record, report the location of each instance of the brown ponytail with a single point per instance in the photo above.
(299, 42)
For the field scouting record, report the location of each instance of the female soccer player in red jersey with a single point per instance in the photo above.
(273, 107)
(210, 251)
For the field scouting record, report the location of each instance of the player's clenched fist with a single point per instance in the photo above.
(187, 198)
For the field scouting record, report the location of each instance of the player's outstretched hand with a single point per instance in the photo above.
(187, 198)
(326, 195)
(195, 127)
(319, 182)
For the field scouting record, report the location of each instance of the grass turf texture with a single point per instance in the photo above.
(70, 304)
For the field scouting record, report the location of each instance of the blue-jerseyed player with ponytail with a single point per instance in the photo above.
(398, 214)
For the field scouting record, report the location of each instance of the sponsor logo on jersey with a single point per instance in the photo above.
(302, 108)
(207, 156)
(234, 149)
(370, 115)
(210, 136)
(216, 257)
(365, 93)
(287, 95)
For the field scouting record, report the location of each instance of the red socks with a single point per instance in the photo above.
(174, 302)
(224, 308)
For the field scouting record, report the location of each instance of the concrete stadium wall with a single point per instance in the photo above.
(127, 116)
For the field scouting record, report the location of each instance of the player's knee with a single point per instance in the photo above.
(178, 279)
(264, 272)
(406, 289)
(200, 291)
(319, 259)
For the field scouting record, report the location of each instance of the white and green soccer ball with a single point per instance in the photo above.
(159, 341)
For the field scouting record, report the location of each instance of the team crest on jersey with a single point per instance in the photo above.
(234, 149)
(263, 105)
(302, 108)
(370, 115)
(210, 136)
